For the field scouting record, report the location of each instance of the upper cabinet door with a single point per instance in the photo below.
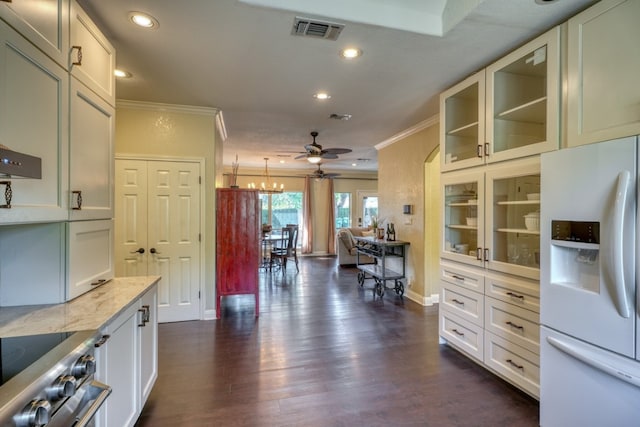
(523, 99)
(92, 58)
(44, 22)
(34, 105)
(462, 124)
(603, 69)
(92, 126)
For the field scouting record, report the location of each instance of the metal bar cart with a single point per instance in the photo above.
(381, 250)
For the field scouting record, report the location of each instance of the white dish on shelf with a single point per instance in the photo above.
(533, 196)
(532, 221)
(472, 222)
(472, 201)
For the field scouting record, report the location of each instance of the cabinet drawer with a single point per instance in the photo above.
(466, 277)
(90, 255)
(467, 304)
(461, 334)
(519, 292)
(518, 365)
(513, 323)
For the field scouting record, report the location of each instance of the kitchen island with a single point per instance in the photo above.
(90, 311)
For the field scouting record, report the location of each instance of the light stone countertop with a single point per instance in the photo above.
(90, 311)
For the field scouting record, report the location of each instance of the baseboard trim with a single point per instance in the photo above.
(424, 301)
(209, 315)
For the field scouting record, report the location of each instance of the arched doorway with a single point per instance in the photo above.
(432, 226)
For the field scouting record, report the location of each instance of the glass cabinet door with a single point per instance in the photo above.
(463, 216)
(512, 229)
(462, 124)
(523, 100)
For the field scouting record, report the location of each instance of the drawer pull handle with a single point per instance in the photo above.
(479, 151)
(8, 194)
(78, 204)
(512, 295)
(458, 301)
(78, 60)
(458, 332)
(513, 325)
(102, 340)
(455, 276)
(515, 365)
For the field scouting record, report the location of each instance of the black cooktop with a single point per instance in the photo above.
(17, 353)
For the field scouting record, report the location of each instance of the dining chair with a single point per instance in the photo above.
(285, 248)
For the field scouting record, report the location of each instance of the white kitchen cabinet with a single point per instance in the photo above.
(91, 164)
(491, 217)
(127, 361)
(92, 57)
(603, 68)
(508, 110)
(89, 255)
(34, 93)
(44, 22)
(148, 344)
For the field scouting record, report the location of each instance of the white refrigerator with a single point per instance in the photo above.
(590, 340)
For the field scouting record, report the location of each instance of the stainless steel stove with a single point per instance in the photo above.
(47, 380)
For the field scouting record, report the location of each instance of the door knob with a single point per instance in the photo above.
(139, 251)
(153, 251)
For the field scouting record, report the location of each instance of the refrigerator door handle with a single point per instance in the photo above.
(616, 249)
(592, 360)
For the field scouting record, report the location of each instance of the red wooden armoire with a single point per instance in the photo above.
(237, 243)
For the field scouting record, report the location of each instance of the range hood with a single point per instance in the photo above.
(19, 165)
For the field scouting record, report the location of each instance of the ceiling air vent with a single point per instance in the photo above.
(316, 28)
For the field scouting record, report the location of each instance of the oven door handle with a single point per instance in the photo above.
(99, 393)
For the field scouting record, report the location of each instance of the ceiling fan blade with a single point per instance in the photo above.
(337, 150)
(301, 156)
(329, 156)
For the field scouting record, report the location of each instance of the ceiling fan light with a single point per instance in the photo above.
(314, 159)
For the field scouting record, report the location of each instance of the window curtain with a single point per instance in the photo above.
(331, 215)
(307, 229)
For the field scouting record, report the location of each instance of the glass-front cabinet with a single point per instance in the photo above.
(492, 217)
(522, 104)
(463, 231)
(462, 125)
(507, 111)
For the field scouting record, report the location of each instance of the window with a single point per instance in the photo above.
(343, 210)
(369, 209)
(281, 209)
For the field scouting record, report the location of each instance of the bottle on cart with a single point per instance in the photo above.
(391, 232)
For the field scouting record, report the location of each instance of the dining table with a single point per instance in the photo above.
(268, 240)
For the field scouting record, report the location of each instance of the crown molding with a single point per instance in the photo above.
(408, 132)
(172, 108)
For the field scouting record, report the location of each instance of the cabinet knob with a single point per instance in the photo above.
(154, 251)
(139, 251)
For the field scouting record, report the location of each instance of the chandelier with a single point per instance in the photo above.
(267, 186)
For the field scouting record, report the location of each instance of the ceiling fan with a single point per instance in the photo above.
(320, 174)
(314, 152)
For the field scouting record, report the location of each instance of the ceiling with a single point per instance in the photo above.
(240, 57)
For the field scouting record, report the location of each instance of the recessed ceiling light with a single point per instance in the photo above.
(354, 164)
(143, 20)
(543, 2)
(322, 95)
(350, 53)
(122, 74)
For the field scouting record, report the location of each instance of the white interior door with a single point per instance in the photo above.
(158, 231)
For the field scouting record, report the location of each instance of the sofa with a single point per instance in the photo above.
(346, 246)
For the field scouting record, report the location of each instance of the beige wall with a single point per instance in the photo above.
(158, 130)
(401, 181)
(293, 180)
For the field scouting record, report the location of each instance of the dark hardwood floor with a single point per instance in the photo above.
(323, 352)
